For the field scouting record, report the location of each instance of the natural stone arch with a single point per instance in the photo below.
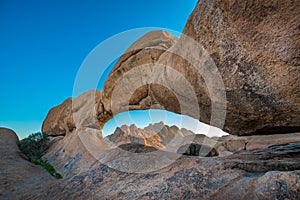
(155, 81)
(259, 66)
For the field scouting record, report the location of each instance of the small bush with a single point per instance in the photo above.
(33, 147)
(48, 167)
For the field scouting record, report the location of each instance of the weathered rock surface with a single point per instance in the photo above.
(137, 148)
(268, 173)
(73, 154)
(163, 137)
(20, 179)
(127, 86)
(76, 151)
(80, 112)
(238, 143)
(255, 46)
(194, 149)
(79, 150)
(263, 141)
(276, 157)
(206, 178)
(59, 119)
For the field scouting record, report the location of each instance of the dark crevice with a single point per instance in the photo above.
(59, 135)
(277, 130)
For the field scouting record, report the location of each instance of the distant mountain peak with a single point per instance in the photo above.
(157, 134)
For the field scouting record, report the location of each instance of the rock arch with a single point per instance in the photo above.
(259, 68)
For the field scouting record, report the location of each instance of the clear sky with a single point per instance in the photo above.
(43, 44)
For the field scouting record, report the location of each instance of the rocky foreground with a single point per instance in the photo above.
(20, 179)
(271, 172)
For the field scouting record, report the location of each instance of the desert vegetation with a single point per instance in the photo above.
(33, 147)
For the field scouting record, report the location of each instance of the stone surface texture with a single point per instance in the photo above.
(267, 173)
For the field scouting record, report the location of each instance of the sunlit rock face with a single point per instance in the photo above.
(78, 148)
(128, 84)
(157, 135)
(59, 119)
(255, 46)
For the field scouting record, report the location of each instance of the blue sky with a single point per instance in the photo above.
(43, 44)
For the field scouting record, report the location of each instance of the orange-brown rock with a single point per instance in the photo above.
(255, 46)
(127, 86)
(272, 172)
(59, 119)
(268, 173)
(19, 178)
(76, 150)
(157, 135)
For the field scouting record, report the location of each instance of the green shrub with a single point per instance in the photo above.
(33, 147)
(48, 167)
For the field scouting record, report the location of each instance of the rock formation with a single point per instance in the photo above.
(194, 149)
(157, 135)
(20, 179)
(267, 173)
(252, 47)
(137, 148)
(236, 177)
(255, 46)
(127, 86)
(74, 152)
(59, 119)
